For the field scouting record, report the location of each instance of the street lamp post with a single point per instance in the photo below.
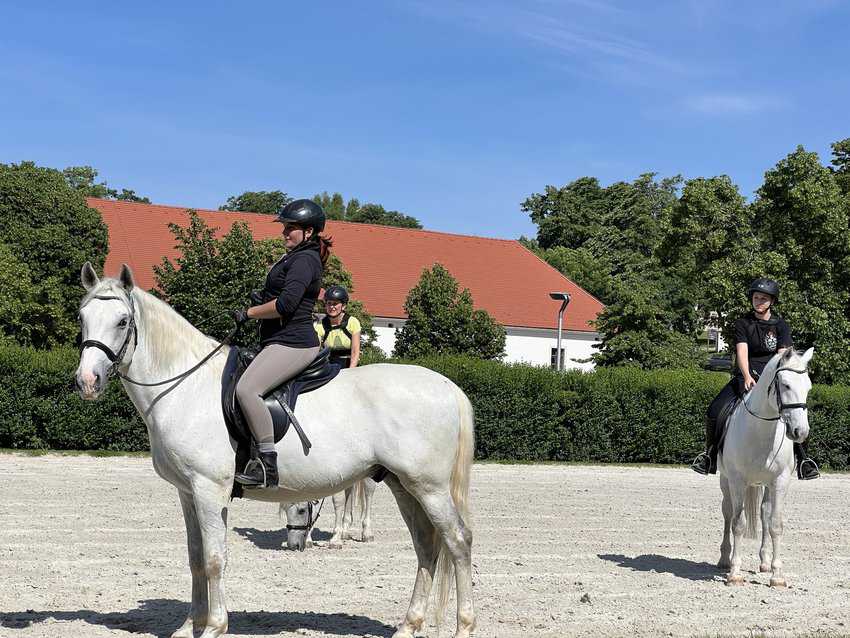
(565, 299)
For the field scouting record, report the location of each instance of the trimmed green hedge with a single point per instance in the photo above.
(39, 407)
(523, 413)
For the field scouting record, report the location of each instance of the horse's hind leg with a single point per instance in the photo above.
(425, 543)
(764, 550)
(367, 487)
(457, 539)
(200, 601)
(725, 561)
(211, 507)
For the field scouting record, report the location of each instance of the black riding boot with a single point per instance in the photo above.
(807, 469)
(260, 472)
(706, 462)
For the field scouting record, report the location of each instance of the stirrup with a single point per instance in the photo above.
(249, 482)
(812, 475)
(702, 463)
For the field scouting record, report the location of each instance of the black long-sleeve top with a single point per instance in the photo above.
(295, 282)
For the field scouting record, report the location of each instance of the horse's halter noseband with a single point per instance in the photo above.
(132, 331)
(310, 520)
(780, 404)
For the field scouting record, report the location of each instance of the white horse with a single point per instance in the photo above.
(757, 461)
(412, 421)
(300, 517)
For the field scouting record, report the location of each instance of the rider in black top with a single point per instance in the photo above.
(759, 335)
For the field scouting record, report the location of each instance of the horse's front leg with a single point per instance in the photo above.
(736, 493)
(765, 550)
(368, 486)
(777, 492)
(211, 507)
(725, 561)
(200, 602)
(339, 511)
(348, 516)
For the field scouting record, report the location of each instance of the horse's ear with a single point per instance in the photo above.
(88, 276)
(126, 277)
(807, 356)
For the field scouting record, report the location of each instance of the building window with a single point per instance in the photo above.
(553, 356)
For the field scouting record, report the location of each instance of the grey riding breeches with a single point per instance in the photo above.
(274, 364)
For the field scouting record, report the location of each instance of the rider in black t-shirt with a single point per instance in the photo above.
(759, 335)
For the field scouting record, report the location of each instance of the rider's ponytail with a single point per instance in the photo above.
(325, 244)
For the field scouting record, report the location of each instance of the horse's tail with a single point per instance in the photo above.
(752, 509)
(444, 571)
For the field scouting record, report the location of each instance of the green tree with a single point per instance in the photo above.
(49, 233)
(333, 205)
(262, 202)
(82, 179)
(336, 207)
(441, 320)
(841, 164)
(638, 329)
(801, 217)
(584, 268)
(377, 214)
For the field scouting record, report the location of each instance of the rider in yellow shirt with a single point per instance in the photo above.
(339, 331)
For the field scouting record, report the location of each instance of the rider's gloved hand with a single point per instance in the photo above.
(240, 316)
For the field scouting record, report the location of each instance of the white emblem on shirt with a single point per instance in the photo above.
(770, 341)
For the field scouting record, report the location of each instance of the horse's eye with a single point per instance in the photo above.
(122, 323)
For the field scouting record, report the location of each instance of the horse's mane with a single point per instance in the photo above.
(169, 337)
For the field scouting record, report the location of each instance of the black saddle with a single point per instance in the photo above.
(723, 421)
(280, 401)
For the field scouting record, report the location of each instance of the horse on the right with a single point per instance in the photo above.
(757, 461)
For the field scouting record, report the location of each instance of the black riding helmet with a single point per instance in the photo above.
(304, 212)
(336, 293)
(766, 286)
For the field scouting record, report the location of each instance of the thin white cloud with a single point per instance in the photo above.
(733, 104)
(590, 33)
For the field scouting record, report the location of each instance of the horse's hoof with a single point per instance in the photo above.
(368, 538)
(724, 565)
(778, 583)
(335, 544)
(764, 568)
(308, 544)
(734, 581)
(185, 630)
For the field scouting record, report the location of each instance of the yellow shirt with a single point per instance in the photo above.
(337, 339)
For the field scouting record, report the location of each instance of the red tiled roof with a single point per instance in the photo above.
(507, 280)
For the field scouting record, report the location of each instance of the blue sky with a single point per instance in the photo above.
(453, 112)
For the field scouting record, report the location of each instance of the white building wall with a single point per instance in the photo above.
(533, 346)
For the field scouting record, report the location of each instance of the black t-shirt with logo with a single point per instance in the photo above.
(763, 338)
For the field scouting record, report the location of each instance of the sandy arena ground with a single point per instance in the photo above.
(96, 547)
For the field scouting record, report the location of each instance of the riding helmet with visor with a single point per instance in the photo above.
(304, 212)
(336, 293)
(765, 286)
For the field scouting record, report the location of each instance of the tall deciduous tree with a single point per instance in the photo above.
(82, 179)
(49, 233)
(262, 202)
(441, 320)
(801, 216)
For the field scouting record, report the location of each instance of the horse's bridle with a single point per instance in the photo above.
(115, 358)
(132, 332)
(780, 404)
(311, 521)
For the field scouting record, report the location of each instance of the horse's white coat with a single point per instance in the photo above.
(757, 461)
(411, 420)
